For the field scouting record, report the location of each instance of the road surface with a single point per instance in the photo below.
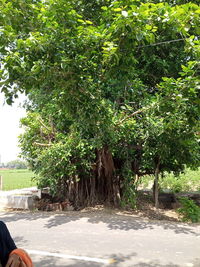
(75, 239)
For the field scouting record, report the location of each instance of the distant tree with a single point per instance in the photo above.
(2, 165)
(17, 164)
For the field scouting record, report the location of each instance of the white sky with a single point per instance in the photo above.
(9, 128)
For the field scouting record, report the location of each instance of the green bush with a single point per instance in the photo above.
(188, 181)
(129, 190)
(189, 210)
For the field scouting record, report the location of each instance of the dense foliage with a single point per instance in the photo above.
(189, 210)
(113, 91)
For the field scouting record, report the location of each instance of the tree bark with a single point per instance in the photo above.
(116, 192)
(156, 185)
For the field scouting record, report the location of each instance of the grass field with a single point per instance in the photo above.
(16, 179)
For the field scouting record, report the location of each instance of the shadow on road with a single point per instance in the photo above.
(154, 264)
(120, 259)
(50, 263)
(112, 220)
(56, 262)
(20, 241)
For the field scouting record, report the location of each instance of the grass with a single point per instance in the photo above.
(16, 179)
(189, 181)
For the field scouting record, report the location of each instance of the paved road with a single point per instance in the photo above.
(98, 237)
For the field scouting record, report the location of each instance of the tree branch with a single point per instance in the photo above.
(42, 123)
(39, 144)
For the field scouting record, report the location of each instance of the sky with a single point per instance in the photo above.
(9, 128)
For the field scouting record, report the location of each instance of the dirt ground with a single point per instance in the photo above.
(145, 209)
(150, 213)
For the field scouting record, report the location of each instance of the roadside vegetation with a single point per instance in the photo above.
(189, 211)
(113, 93)
(189, 181)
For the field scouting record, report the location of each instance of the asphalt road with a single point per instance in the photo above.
(103, 239)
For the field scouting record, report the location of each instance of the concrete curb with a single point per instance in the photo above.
(24, 199)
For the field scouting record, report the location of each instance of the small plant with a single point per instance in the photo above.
(129, 197)
(189, 210)
(129, 191)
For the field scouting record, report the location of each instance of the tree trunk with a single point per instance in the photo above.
(156, 185)
(116, 192)
(102, 186)
(136, 181)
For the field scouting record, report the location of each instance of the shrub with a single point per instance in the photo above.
(129, 190)
(189, 210)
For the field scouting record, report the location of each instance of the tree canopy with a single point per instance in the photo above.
(113, 88)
